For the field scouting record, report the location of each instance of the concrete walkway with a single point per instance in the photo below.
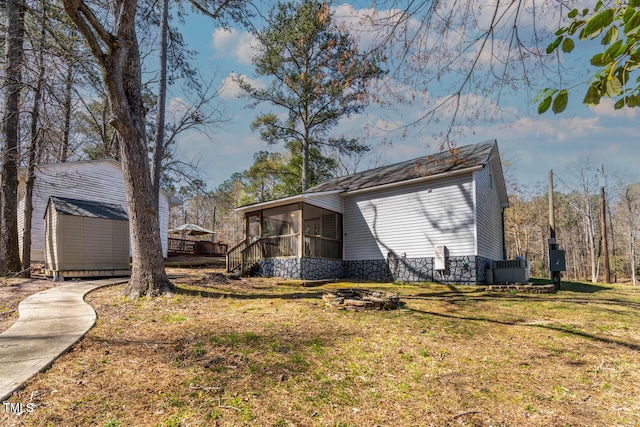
(50, 323)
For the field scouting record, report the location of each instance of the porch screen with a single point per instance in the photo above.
(280, 221)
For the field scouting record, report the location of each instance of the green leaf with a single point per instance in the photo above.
(613, 87)
(553, 46)
(544, 105)
(610, 35)
(614, 50)
(592, 96)
(573, 13)
(628, 14)
(633, 23)
(568, 45)
(545, 93)
(560, 103)
(596, 24)
(598, 6)
(574, 26)
(598, 60)
(619, 104)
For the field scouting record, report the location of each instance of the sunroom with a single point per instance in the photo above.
(295, 237)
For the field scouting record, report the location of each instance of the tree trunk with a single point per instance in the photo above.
(158, 153)
(120, 65)
(9, 252)
(632, 237)
(33, 148)
(64, 150)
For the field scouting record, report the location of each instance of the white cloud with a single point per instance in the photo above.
(229, 89)
(177, 106)
(239, 44)
(605, 109)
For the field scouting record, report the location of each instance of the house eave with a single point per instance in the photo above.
(284, 201)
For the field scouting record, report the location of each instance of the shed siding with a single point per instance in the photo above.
(332, 202)
(100, 181)
(489, 215)
(70, 242)
(120, 244)
(411, 220)
(51, 241)
(97, 243)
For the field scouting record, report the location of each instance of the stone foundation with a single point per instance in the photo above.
(465, 270)
(302, 268)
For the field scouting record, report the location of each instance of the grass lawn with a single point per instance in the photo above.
(256, 352)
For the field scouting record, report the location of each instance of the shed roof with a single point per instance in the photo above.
(454, 160)
(86, 208)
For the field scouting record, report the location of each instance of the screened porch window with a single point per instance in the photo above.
(280, 221)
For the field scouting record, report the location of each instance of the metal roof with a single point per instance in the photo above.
(455, 160)
(87, 208)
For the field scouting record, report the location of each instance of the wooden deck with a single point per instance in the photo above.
(196, 248)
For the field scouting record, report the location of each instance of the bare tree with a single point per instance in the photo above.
(466, 55)
(12, 85)
(632, 203)
(114, 45)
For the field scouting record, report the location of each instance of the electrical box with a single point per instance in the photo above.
(557, 260)
(440, 259)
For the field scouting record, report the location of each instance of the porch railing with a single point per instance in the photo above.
(245, 254)
(234, 256)
(322, 247)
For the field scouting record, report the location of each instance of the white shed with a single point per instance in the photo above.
(85, 239)
(95, 180)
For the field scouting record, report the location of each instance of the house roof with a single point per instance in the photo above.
(459, 159)
(86, 208)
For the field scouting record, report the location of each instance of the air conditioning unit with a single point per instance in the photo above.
(511, 271)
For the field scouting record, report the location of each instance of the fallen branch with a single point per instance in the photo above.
(462, 414)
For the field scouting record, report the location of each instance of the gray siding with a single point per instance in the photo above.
(489, 215)
(100, 181)
(411, 220)
(332, 202)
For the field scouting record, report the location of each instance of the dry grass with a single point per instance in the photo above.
(255, 352)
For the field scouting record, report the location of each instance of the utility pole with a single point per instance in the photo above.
(556, 256)
(603, 223)
(552, 218)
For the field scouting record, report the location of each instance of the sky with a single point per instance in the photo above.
(529, 143)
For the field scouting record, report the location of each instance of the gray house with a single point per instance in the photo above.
(434, 218)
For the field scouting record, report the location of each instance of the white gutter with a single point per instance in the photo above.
(284, 201)
(414, 180)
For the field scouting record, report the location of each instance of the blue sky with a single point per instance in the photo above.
(532, 144)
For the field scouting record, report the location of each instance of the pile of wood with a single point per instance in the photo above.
(361, 299)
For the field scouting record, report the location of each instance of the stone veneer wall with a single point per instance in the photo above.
(466, 270)
(302, 268)
(460, 270)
